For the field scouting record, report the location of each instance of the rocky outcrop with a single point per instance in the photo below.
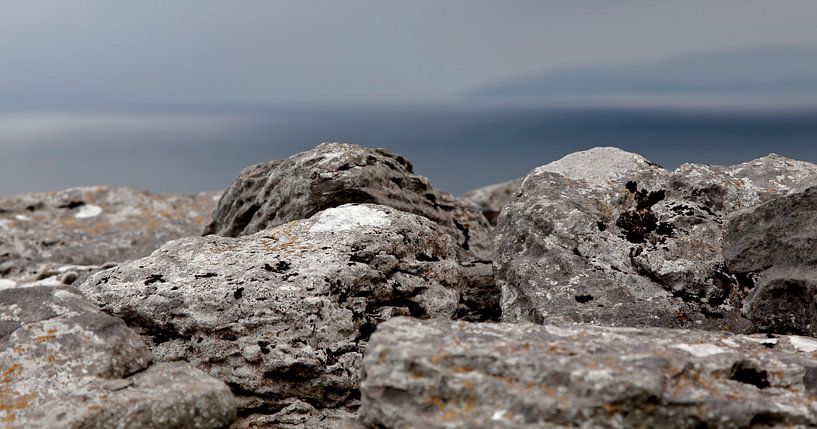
(332, 174)
(490, 199)
(440, 374)
(60, 237)
(283, 315)
(65, 364)
(772, 247)
(607, 237)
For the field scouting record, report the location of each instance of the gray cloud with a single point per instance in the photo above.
(57, 53)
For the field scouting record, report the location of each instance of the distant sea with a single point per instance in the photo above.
(198, 149)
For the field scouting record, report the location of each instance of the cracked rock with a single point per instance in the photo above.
(65, 364)
(333, 174)
(606, 237)
(773, 245)
(283, 315)
(442, 374)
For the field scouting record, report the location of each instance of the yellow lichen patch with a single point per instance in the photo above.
(381, 358)
(10, 372)
(44, 338)
(19, 348)
(460, 369)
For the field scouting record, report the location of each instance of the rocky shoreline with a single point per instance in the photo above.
(338, 289)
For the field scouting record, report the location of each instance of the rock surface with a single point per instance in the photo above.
(772, 246)
(606, 237)
(333, 174)
(66, 364)
(283, 315)
(492, 198)
(60, 237)
(441, 374)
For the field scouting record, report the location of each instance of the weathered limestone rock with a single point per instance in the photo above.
(65, 364)
(604, 236)
(490, 199)
(442, 374)
(332, 174)
(60, 237)
(283, 315)
(772, 246)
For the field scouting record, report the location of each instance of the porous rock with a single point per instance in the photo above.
(490, 199)
(605, 236)
(772, 246)
(66, 364)
(283, 315)
(60, 237)
(333, 174)
(443, 374)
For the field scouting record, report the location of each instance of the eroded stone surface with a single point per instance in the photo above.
(605, 236)
(44, 236)
(492, 198)
(285, 313)
(772, 246)
(436, 374)
(66, 364)
(332, 174)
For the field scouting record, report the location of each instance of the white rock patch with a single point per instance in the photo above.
(701, 350)
(349, 217)
(803, 344)
(88, 210)
(7, 284)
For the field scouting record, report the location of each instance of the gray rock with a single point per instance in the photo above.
(772, 247)
(45, 235)
(441, 374)
(284, 314)
(492, 198)
(605, 236)
(68, 365)
(332, 174)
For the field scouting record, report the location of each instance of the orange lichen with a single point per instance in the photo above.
(11, 371)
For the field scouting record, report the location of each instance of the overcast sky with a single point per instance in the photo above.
(74, 53)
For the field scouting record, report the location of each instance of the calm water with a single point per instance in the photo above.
(458, 149)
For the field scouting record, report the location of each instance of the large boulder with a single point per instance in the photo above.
(492, 198)
(60, 237)
(772, 246)
(332, 174)
(65, 364)
(605, 236)
(441, 374)
(283, 315)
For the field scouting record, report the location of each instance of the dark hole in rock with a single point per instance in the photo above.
(601, 226)
(279, 267)
(206, 275)
(238, 293)
(583, 298)
(746, 373)
(71, 205)
(153, 278)
(264, 347)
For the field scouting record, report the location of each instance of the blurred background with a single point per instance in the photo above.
(179, 96)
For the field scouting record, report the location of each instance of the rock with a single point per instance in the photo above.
(607, 237)
(333, 174)
(442, 374)
(283, 315)
(300, 415)
(45, 235)
(772, 246)
(492, 198)
(66, 364)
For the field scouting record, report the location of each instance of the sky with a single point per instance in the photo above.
(58, 54)
(179, 96)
